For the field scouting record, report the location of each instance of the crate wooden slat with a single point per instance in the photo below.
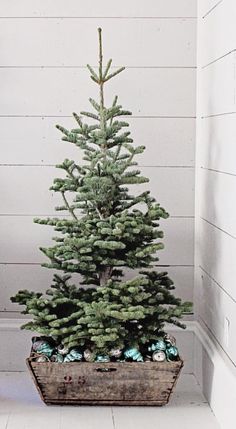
(128, 383)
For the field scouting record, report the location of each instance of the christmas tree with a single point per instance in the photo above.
(106, 230)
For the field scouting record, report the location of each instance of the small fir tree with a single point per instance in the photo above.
(107, 230)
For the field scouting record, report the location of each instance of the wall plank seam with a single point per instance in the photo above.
(217, 283)
(218, 59)
(217, 227)
(212, 9)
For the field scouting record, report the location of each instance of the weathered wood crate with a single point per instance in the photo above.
(148, 383)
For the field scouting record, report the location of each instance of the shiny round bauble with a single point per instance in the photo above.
(57, 358)
(172, 353)
(43, 347)
(170, 340)
(73, 355)
(38, 344)
(147, 359)
(89, 356)
(134, 354)
(159, 345)
(41, 359)
(103, 358)
(159, 356)
(62, 350)
(116, 353)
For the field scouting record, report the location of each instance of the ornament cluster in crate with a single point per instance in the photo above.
(46, 350)
(110, 334)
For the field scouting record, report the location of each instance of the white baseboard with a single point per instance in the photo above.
(216, 375)
(16, 344)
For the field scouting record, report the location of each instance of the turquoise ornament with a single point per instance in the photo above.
(57, 358)
(102, 358)
(43, 347)
(134, 354)
(159, 345)
(172, 353)
(73, 355)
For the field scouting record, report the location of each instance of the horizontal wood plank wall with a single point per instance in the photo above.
(45, 46)
(216, 174)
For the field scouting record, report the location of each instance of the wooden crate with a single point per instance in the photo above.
(128, 383)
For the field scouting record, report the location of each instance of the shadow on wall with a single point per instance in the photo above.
(209, 251)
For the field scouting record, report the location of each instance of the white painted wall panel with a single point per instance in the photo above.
(178, 200)
(127, 42)
(217, 202)
(218, 87)
(218, 32)
(146, 92)
(168, 141)
(206, 7)
(21, 238)
(215, 290)
(216, 255)
(44, 8)
(218, 143)
(23, 193)
(217, 309)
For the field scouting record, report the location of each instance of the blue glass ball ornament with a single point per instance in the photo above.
(102, 358)
(134, 354)
(159, 345)
(57, 357)
(172, 353)
(73, 355)
(43, 347)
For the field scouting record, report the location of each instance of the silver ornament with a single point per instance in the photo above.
(89, 356)
(170, 340)
(159, 356)
(42, 359)
(43, 347)
(62, 350)
(116, 353)
(147, 359)
(36, 344)
(101, 358)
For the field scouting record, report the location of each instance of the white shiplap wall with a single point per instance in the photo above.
(215, 290)
(45, 46)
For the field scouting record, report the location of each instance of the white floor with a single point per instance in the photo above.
(21, 408)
